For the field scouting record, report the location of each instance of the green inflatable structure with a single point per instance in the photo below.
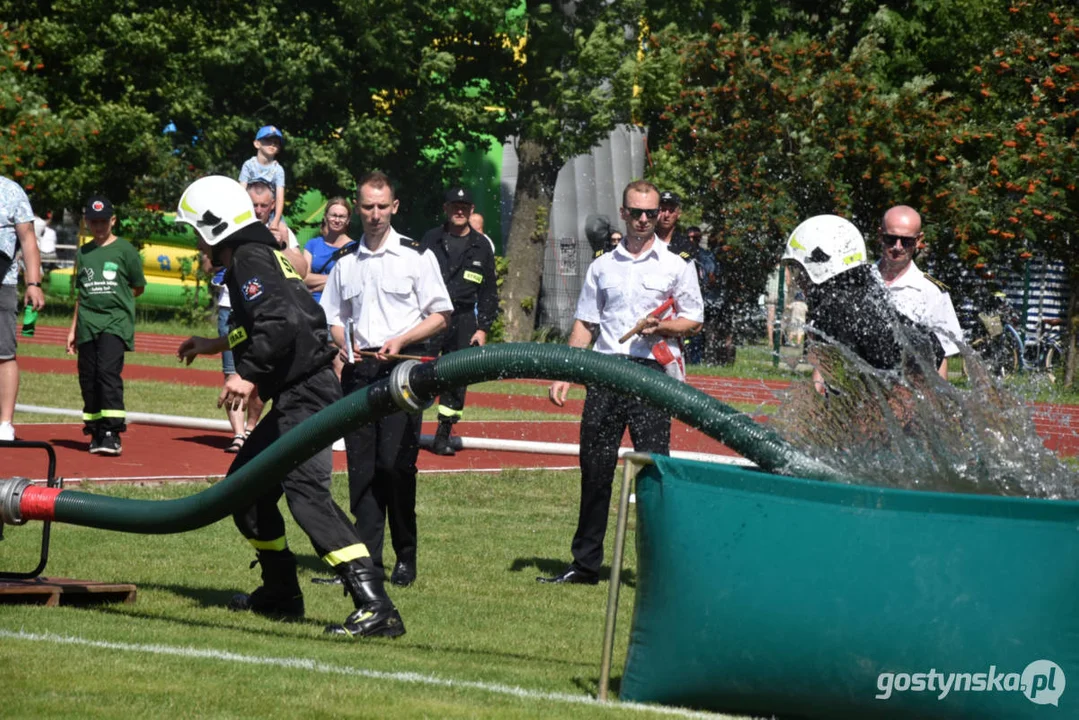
(776, 596)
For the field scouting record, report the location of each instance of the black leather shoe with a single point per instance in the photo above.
(572, 576)
(404, 573)
(335, 580)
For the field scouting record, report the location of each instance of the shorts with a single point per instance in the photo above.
(223, 316)
(9, 307)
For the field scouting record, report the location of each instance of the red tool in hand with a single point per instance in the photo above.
(658, 312)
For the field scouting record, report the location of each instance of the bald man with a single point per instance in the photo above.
(921, 298)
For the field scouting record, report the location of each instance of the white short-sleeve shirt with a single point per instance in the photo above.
(385, 293)
(620, 289)
(924, 302)
(14, 210)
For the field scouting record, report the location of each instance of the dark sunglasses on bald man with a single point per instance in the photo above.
(890, 240)
(650, 213)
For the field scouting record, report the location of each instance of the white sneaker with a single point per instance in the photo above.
(339, 445)
(7, 432)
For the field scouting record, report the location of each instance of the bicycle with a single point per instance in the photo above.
(1043, 351)
(998, 341)
(995, 339)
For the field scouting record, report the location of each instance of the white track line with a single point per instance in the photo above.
(296, 663)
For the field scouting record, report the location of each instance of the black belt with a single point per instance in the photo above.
(648, 362)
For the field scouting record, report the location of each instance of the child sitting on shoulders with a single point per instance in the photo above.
(269, 141)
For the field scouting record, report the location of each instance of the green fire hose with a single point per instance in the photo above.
(411, 386)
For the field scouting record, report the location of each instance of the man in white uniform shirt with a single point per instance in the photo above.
(621, 287)
(918, 296)
(391, 297)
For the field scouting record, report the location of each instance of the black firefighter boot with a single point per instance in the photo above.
(279, 595)
(441, 444)
(375, 615)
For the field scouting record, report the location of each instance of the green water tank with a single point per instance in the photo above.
(768, 595)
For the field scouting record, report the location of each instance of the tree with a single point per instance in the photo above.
(767, 130)
(1028, 101)
(29, 131)
(354, 87)
(773, 130)
(573, 84)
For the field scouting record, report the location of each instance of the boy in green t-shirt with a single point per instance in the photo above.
(108, 274)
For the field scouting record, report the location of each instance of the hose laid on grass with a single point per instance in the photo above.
(411, 386)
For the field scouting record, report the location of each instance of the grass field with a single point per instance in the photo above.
(484, 639)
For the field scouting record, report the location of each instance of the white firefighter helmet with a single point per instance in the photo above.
(216, 206)
(826, 246)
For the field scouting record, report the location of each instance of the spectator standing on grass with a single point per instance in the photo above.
(322, 253)
(613, 239)
(269, 142)
(701, 347)
(108, 277)
(620, 288)
(16, 233)
(283, 349)
(468, 270)
(670, 212)
(385, 299)
(921, 298)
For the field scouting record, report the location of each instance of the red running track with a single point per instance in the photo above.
(1058, 425)
(152, 452)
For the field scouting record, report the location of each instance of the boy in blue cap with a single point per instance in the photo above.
(269, 141)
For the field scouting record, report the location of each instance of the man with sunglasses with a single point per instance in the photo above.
(622, 286)
(918, 296)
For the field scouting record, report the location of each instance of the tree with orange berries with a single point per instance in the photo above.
(29, 131)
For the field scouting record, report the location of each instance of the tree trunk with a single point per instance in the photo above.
(537, 171)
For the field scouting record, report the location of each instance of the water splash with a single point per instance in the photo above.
(909, 428)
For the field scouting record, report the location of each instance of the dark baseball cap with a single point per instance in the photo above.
(97, 207)
(458, 194)
(669, 198)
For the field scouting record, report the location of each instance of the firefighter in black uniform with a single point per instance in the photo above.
(468, 269)
(670, 210)
(281, 346)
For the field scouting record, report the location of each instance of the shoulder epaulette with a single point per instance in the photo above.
(411, 244)
(938, 283)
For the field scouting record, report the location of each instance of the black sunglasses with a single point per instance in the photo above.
(908, 242)
(650, 213)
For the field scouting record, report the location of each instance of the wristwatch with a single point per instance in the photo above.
(33, 284)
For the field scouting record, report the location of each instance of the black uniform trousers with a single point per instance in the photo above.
(603, 421)
(462, 326)
(382, 469)
(307, 486)
(101, 365)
